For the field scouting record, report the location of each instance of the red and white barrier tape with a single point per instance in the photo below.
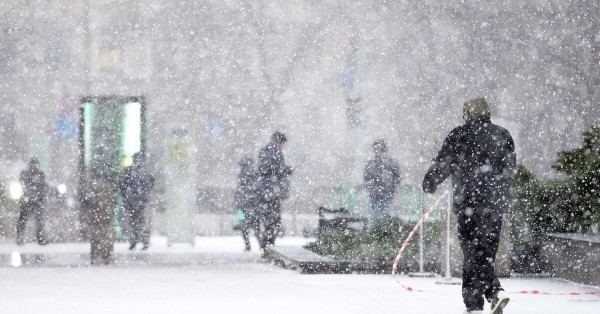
(410, 235)
(595, 293)
(420, 222)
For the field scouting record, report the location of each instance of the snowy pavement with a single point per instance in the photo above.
(216, 276)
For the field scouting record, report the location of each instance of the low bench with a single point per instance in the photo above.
(307, 262)
(574, 257)
(338, 219)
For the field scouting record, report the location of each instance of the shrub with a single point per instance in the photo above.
(570, 204)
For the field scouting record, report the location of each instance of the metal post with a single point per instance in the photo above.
(421, 236)
(421, 272)
(448, 230)
(88, 46)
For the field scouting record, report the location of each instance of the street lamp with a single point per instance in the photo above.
(15, 190)
(353, 98)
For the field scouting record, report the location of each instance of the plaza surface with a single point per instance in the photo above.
(217, 276)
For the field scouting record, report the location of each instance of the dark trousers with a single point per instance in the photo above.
(479, 236)
(137, 220)
(381, 206)
(270, 222)
(250, 224)
(25, 211)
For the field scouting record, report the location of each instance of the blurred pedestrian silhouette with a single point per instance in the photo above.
(135, 185)
(246, 199)
(35, 190)
(274, 187)
(381, 177)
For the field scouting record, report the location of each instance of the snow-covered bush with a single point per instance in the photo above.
(582, 166)
(569, 204)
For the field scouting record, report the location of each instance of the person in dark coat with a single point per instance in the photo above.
(246, 199)
(480, 157)
(135, 185)
(273, 187)
(101, 201)
(35, 191)
(381, 177)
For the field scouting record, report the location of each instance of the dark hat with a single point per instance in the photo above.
(476, 108)
(246, 161)
(380, 145)
(278, 137)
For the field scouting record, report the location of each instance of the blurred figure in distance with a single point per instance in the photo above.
(35, 190)
(273, 187)
(135, 185)
(246, 199)
(381, 177)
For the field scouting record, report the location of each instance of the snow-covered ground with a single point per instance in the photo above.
(216, 276)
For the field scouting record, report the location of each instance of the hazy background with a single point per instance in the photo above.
(234, 71)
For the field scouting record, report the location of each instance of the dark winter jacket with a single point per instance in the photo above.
(35, 188)
(480, 156)
(135, 185)
(273, 173)
(382, 176)
(246, 197)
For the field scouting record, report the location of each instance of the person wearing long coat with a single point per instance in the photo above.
(135, 186)
(480, 158)
(35, 190)
(273, 187)
(381, 178)
(246, 199)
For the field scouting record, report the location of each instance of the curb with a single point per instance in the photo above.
(307, 262)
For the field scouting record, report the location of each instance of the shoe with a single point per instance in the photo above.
(132, 246)
(145, 247)
(499, 302)
(473, 312)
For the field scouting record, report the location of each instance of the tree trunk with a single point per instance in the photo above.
(101, 217)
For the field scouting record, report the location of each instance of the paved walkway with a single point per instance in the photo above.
(216, 276)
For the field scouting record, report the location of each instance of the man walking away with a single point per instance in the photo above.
(135, 187)
(480, 157)
(35, 189)
(381, 177)
(274, 187)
